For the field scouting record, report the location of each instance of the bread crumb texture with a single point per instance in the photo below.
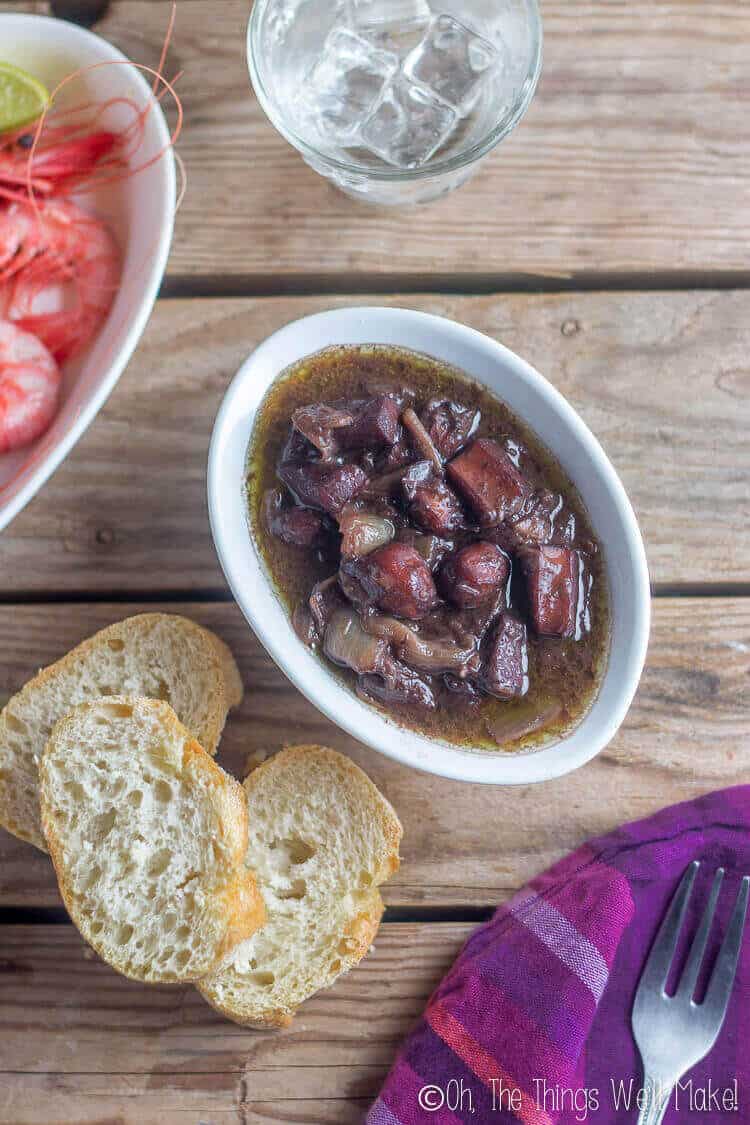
(148, 837)
(322, 839)
(162, 656)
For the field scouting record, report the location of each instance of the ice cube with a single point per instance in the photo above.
(389, 16)
(346, 82)
(396, 25)
(454, 61)
(409, 124)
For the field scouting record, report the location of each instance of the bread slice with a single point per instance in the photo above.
(155, 654)
(322, 839)
(233, 685)
(148, 836)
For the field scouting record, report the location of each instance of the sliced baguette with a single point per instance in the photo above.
(148, 836)
(155, 654)
(322, 839)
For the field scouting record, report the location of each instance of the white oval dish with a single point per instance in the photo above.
(551, 417)
(140, 211)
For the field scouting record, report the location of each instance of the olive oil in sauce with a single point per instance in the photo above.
(564, 674)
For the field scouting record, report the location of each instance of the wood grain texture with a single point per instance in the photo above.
(143, 1100)
(93, 1034)
(686, 734)
(634, 156)
(662, 379)
(84, 1046)
(633, 159)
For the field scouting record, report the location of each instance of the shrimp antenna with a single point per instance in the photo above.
(167, 87)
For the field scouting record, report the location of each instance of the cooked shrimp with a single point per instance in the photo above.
(29, 387)
(56, 163)
(54, 250)
(19, 238)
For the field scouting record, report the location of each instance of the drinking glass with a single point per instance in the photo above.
(395, 101)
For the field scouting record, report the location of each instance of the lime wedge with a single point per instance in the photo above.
(22, 97)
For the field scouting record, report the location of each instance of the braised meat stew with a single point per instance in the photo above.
(429, 547)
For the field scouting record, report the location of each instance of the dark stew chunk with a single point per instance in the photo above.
(431, 504)
(544, 519)
(299, 527)
(432, 548)
(558, 587)
(505, 673)
(488, 480)
(398, 687)
(450, 425)
(381, 675)
(394, 578)
(429, 547)
(319, 424)
(316, 484)
(325, 598)
(376, 424)
(474, 575)
(336, 426)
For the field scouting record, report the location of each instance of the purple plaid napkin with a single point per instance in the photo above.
(532, 1023)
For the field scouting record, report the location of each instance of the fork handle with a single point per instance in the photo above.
(657, 1102)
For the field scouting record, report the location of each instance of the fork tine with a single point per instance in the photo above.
(700, 941)
(722, 978)
(655, 973)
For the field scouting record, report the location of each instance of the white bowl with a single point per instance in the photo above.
(534, 400)
(140, 211)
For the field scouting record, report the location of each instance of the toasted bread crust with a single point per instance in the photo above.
(243, 903)
(240, 901)
(390, 822)
(360, 934)
(212, 652)
(246, 913)
(273, 1020)
(235, 689)
(360, 929)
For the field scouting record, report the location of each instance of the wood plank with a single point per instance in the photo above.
(662, 379)
(80, 1100)
(686, 734)
(83, 1045)
(64, 1012)
(633, 157)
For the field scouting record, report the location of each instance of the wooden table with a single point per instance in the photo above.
(607, 242)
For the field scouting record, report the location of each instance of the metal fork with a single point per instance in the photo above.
(674, 1033)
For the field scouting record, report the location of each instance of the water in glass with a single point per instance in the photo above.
(397, 81)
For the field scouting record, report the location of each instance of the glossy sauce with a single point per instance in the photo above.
(564, 673)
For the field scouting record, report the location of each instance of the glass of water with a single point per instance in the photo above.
(395, 101)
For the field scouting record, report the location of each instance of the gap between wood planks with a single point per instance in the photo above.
(452, 284)
(220, 596)
(325, 285)
(58, 915)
